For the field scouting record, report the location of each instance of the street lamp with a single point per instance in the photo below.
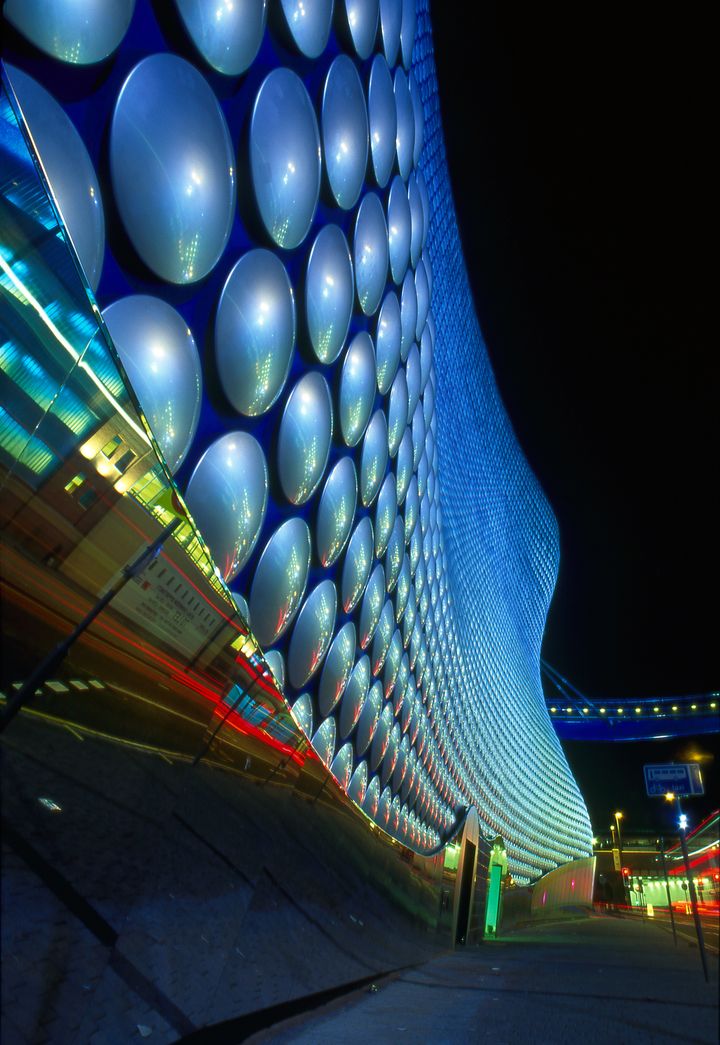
(618, 817)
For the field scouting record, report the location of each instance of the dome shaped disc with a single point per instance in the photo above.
(417, 220)
(387, 342)
(407, 31)
(302, 712)
(342, 766)
(68, 168)
(285, 157)
(357, 788)
(309, 23)
(312, 633)
(329, 293)
(374, 457)
(344, 131)
(419, 118)
(169, 136)
(336, 669)
(357, 388)
(353, 698)
(371, 606)
(362, 19)
(390, 27)
(399, 229)
(324, 741)
(357, 565)
(397, 412)
(228, 35)
(382, 118)
(370, 252)
(279, 582)
(408, 314)
(336, 511)
(405, 124)
(255, 332)
(227, 496)
(77, 33)
(305, 436)
(369, 718)
(385, 514)
(161, 358)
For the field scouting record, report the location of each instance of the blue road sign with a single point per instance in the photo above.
(681, 778)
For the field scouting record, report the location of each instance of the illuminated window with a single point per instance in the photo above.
(111, 446)
(87, 499)
(75, 483)
(124, 462)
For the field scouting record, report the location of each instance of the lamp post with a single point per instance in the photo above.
(661, 843)
(682, 824)
(618, 817)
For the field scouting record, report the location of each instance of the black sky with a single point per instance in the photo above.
(579, 143)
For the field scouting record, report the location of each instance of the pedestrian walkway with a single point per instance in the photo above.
(602, 979)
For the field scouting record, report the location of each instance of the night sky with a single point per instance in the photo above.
(578, 141)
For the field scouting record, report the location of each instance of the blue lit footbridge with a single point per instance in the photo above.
(577, 717)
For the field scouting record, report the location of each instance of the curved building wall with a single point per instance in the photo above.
(502, 547)
(317, 382)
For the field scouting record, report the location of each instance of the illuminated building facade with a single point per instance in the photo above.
(233, 299)
(263, 215)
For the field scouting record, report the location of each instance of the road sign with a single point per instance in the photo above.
(681, 778)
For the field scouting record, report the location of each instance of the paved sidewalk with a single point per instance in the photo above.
(604, 979)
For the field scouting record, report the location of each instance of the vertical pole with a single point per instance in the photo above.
(693, 896)
(625, 884)
(228, 712)
(667, 888)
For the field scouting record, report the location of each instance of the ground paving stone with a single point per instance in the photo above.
(602, 979)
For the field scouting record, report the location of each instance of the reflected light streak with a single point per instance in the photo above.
(62, 340)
